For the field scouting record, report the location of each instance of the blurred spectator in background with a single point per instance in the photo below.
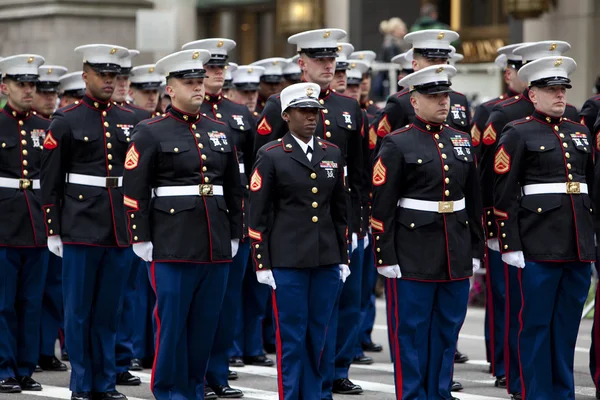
(393, 31)
(429, 20)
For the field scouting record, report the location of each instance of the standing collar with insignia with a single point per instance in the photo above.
(16, 114)
(425, 126)
(95, 103)
(546, 119)
(213, 98)
(183, 116)
(35, 112)
(324, 92)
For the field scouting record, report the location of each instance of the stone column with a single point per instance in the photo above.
(53, 28)
(337, 15)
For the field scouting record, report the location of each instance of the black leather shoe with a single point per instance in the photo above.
(362, 360)
(516, 396)
(236, 362)
(126, 379)
(112, 395)
(10, 385)
(81, 396)
(345, 386)
(227, 392)
(460, 358)
(51, 363)
(232, 375)
(597, 394)
(270, 348)
(64, 356)
(500, 382)
(263, 361)
(135, 365)
(372, 347)
(38, 369)
(456, 387)
(28, 384)
(209, 394)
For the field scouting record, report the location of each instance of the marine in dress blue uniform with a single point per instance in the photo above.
(228, 82)
(495, 318)
(291, 72)
(44, 104)
(145, 83)
(426, 196)
(364, 59)
(23, 256)
(511, 109)
(126, 331)
(544, 175)
(252, 307)
(303, 265)
(184, 199)
(430, 47)
(271, 81)
(241, 126)
(82, 169)
(71, 88)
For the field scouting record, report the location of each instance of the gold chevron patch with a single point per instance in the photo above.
(384, 127)
(132, 158)
(501, 161)
(475, 135)
(379, 173)
(131, 203)
(256, 235)
(255, 181)
(376, 225)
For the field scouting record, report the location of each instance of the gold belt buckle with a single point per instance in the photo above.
(573, 188)
(205, 190)
(25, 184)
(112, 182)
(445, 207)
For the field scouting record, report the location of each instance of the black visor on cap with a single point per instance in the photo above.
(188, 74)
(106, 68)
(305, 102)
(271, 78)
(296, 78)
(433, 53)
(23, 78)
(433, 87)
(341, 65)
(46, 86)
(146, 85)
(125, 71)
(321, 52)
(77, 93)
(552, 81)
(516, 64)
(354, 81)
(219, 60)
(227, 84)
(407, 70)
(246, 86)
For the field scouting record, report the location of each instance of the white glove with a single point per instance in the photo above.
(366, 240)
(344, 272)
(391, 271)
(143, 250)
(514, 258)
(55, 245)
(266, 278)
(476, 264)
(235, 245)
(354, 242)
(493, 244)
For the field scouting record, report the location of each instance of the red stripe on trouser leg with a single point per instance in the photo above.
(490, 310)
(596, 337)
(157, 340)
(397, 360)
(520, 272)
(507, 328)
(279, 347)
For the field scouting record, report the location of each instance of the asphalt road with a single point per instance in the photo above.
(259, 382)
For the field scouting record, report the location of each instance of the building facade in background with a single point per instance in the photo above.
(53, 28)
